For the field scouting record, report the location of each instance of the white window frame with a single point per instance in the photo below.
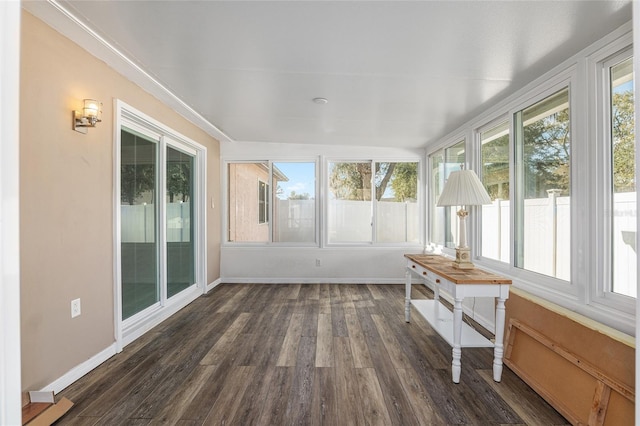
(271, 194)
(432, 201)
(599, 65)
(477, 150)
(372, 162)
(551, 284)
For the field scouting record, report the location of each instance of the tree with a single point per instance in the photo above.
(546, 155)
(179, 181)
(352, 181)
(405, 181)
(136, 179)
(624, 147)
(294, 196)
(495, 167)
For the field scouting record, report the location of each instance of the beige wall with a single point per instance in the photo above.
(66, 201)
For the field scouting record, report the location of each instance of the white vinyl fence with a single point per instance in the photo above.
(350, 221)
(137, 223)
(546, 232)
(547, 239)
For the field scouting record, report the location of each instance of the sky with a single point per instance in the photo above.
(301, 179)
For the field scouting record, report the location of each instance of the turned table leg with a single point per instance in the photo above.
(498, 351)
(407, 296)
(457, 338)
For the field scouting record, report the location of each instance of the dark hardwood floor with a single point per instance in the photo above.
(332, 354)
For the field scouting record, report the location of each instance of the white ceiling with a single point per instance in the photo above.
(395, 73)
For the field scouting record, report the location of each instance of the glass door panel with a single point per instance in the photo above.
(139, 216)
(179, 227)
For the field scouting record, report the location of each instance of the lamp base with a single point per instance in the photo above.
(463, 258)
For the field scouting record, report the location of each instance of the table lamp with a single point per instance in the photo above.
(463, 188)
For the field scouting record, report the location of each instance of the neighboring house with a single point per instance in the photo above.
(249, 195)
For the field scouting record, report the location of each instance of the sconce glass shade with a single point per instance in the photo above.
(463, 188)
(90, 115)
(92, 110)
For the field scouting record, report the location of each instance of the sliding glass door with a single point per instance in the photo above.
(158, 207)
(179, 212)
(139, 250)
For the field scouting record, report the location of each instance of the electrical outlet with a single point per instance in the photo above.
(75, 308)
(318, 263)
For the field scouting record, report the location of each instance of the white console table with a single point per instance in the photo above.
(459, 283)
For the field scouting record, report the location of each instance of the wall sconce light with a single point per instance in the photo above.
(90, 115)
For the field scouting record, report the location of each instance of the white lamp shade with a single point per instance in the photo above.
(463, 188)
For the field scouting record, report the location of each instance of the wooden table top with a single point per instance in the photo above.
(441, 265)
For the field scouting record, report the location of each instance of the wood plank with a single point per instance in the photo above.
(289, 351)
(395, 351)
(324, 407)
(310, 321)
(294, 291)
(236, 299)
(324, 306)
(133, 396)
(346, 297)
(421, 402)
(221, 348)
(277, 391)
(301, 394)
(257, 392)
(174, 407)
(359, 348)
(224, 409)
(114, 392)
(198, 409)
(530, 407)
(347, 389)
(600, 404)
(324, 342)
(178, 374)
(375, 291)
(396, 400)
(375, 411)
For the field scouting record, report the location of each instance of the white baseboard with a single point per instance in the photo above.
(138, 330)
(80, 370)
(263, 280)
(212, 285)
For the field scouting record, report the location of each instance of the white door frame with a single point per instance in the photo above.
(10, 363)
(128, 330)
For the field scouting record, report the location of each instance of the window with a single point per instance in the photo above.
(396, 186)
(623, 222)
(443, 229)
(496, 217)
(559, 162)
(542, 190)
(294, 202)
(292, 205)
(263, 202)
(373, 202)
